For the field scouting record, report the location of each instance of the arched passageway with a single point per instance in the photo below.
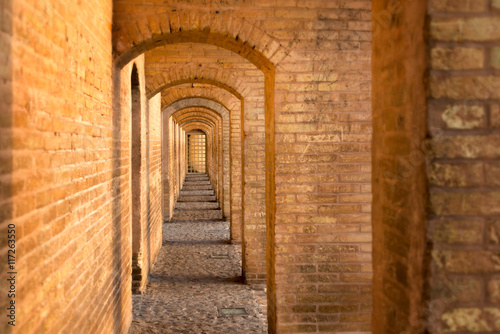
(322, 198)
(85, 187)
(235, 143)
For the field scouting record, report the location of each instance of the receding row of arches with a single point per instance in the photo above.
(308, 107)
(239, 148)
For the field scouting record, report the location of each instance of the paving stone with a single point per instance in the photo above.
(199, 205)
(196, 215)
(188, 286)
(196, 192)
(197, 199)
(197, 274)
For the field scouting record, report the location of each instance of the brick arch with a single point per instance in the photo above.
(202, 114)
(198, 125)
(254, 264)
(208, 129)
(221, 171)
(171, 63)
(206, 91)
(196, 120)
(232, 156)
(227, 85)
(134, 35)
(201, 105)
(156, 29)
(205, 102)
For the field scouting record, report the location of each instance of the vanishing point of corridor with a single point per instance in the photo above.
(196, 283)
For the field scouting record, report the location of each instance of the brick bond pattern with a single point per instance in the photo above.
(187, 94)
(192, 62)
(464, 94)
(300, 217)
(435, 258)
(66, 183)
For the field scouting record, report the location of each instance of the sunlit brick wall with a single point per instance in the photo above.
(319, 245)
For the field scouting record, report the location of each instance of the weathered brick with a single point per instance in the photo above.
(472, 320)
(457, 231)
(470, 203)
(467, 262)
(470, 29)
(495, 57)
(464, 117)
(457, 58)
(466, 6)
(457, 175)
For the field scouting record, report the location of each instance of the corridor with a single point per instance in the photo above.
(196, 279)
(341, 158)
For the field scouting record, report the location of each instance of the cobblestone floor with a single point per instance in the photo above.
(196, 274)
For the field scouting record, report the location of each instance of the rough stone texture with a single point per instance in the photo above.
(192, 280)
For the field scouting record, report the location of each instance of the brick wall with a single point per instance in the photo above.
(301, 153)
(6, 160)
(178, 63)
(181, 112)
(308, 87)
(214, 138)
(399, 181)
(464, 88)
(69, 235)
(315, 57)
(185, 94)
(146, 229)
(70, 189)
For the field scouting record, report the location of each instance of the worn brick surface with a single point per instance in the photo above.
(315, 96)
(464, 193)
(290, 161)
(399, 156)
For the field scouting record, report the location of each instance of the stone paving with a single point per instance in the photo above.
(196, 276)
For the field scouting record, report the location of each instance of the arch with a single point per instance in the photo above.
(172, 94)
(203, 127)
(230, 172)
(209, 104)
(199, 111)
(124, 54)
(130, 46)
(215, 120)
(208, 81)
(208, 130)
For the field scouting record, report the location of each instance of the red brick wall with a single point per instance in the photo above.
(148, 234)
(71, 185)
(71, 188)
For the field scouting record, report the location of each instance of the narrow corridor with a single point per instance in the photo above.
(197, 275)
